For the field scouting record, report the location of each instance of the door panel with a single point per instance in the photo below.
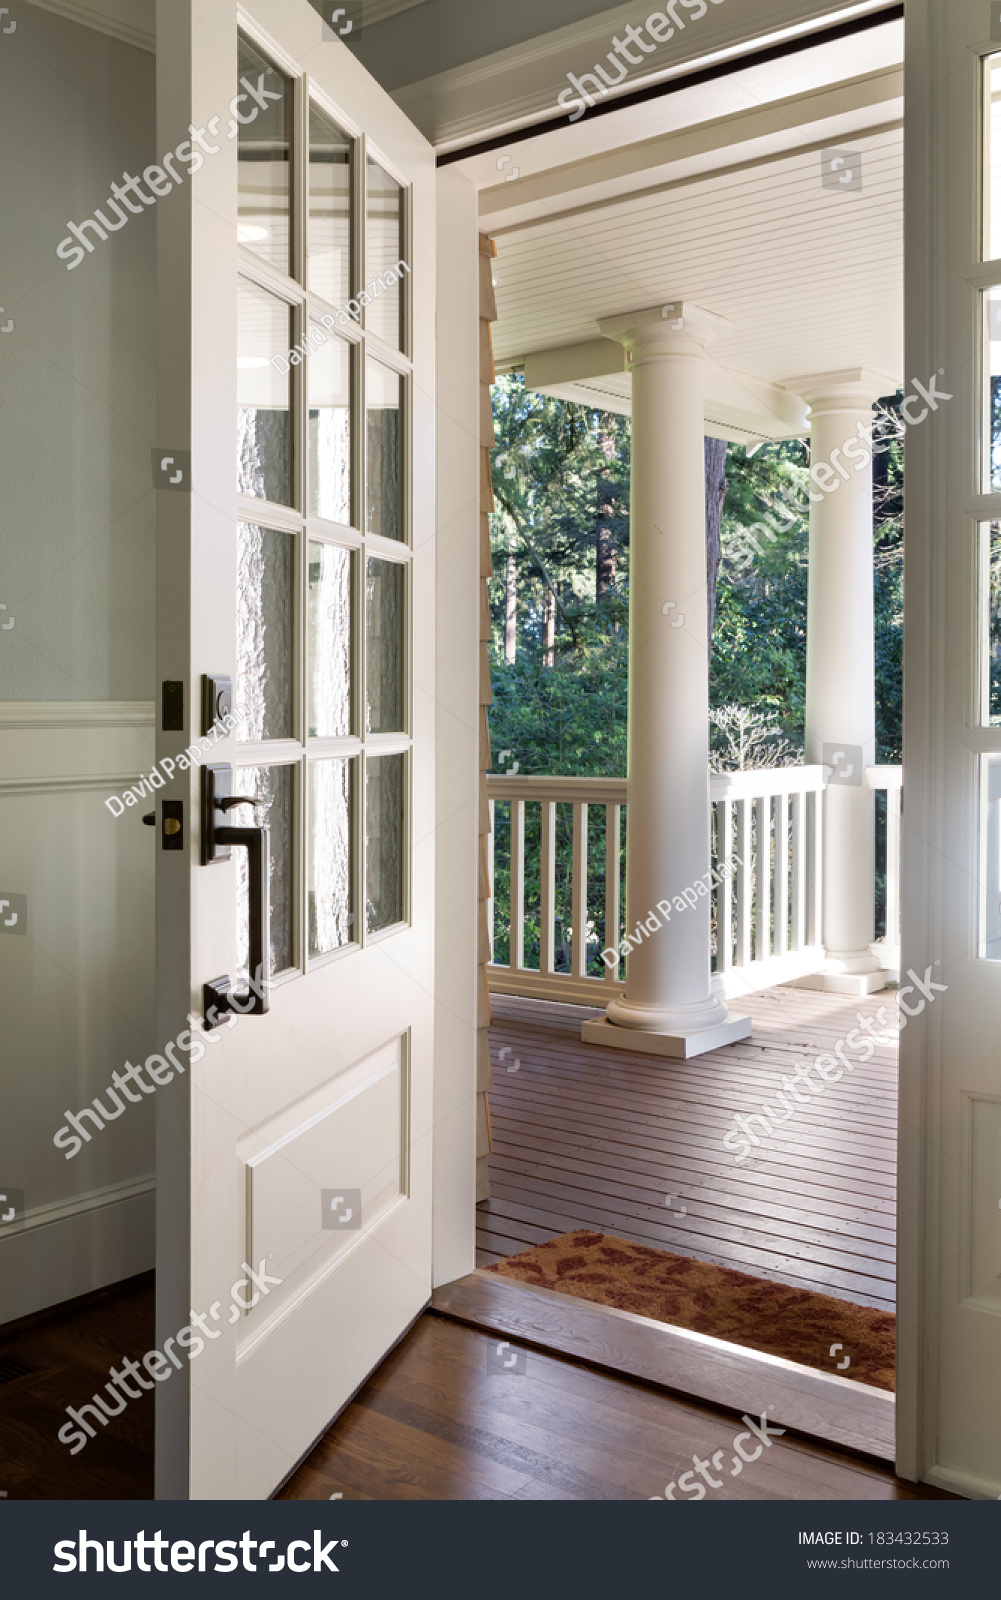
(300, 566)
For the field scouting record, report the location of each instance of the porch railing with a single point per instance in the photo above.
(557, 866)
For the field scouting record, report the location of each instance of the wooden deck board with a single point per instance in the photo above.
(588, 1138)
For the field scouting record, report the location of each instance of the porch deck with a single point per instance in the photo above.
(618, 1142)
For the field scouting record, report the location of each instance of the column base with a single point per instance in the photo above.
(681, 1043)
(853, 983)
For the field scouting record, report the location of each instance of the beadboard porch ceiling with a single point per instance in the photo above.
(714, 195)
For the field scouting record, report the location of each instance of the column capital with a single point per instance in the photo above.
(850, 389)
(674, 327)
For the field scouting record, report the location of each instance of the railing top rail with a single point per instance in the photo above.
(761, 781)
(597, 791)
(884, 777)
(752, 784)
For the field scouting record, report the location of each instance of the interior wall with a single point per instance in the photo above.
(76, 666)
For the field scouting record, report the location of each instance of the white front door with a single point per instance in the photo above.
(294, 557)
(949, 1297)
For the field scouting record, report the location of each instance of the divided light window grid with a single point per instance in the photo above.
(323, 539)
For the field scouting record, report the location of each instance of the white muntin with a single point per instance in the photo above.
(315, 340)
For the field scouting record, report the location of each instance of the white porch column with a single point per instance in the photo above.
(668, 1008)
(840, 666)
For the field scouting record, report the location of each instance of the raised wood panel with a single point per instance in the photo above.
(320, 1176)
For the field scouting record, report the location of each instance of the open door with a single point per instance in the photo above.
(295, 650)
(949, 1400)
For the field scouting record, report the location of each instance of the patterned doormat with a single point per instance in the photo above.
(794, 1323)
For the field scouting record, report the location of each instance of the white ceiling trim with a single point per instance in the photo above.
(514, 88)
(606, 173)
(131, 21)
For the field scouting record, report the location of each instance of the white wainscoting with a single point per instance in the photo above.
(76, 996)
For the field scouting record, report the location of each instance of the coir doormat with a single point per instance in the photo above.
(794, 1323)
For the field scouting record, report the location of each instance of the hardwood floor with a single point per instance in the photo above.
(58, 1359)
(584, 1137)
(437, 1421)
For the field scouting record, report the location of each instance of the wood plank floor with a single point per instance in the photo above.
(438, 1421)
(632, 1145)
(60, 1358)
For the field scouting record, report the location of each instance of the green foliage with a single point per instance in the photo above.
(561, 474)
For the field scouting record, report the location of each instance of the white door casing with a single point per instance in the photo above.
(949, 1295)
(332, 1088)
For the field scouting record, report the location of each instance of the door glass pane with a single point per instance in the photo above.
(263, 415)
(383, 253)
(264, 633)
(276, 786)
(384, 684)
(383, 390)
(328, 234)
(263, 116)
(990, 627)
(329, 376)
(331, 902)
(330, 641)
(384, 845)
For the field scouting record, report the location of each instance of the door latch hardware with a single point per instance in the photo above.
(172, 820)
(217, 701)
(218, 840)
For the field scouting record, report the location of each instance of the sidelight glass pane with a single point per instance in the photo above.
(384, 634)
(384, 843)
(384, 265)
(330, 640)
(384, 435)
(328, 233)
(329, 379)
(990, 623)
(262, 112)
(263, 414)
(276, 787)
(331, 898)
(264, 633)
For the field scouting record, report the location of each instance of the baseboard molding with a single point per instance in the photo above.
(68, 1254)
(817, 1404)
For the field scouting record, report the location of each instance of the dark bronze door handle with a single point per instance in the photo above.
(218, 841)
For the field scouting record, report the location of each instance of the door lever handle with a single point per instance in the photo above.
(252, 1001)
(218, 841)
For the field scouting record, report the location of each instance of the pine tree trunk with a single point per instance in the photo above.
(715, 460)
(605, 564)
(549, 657)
